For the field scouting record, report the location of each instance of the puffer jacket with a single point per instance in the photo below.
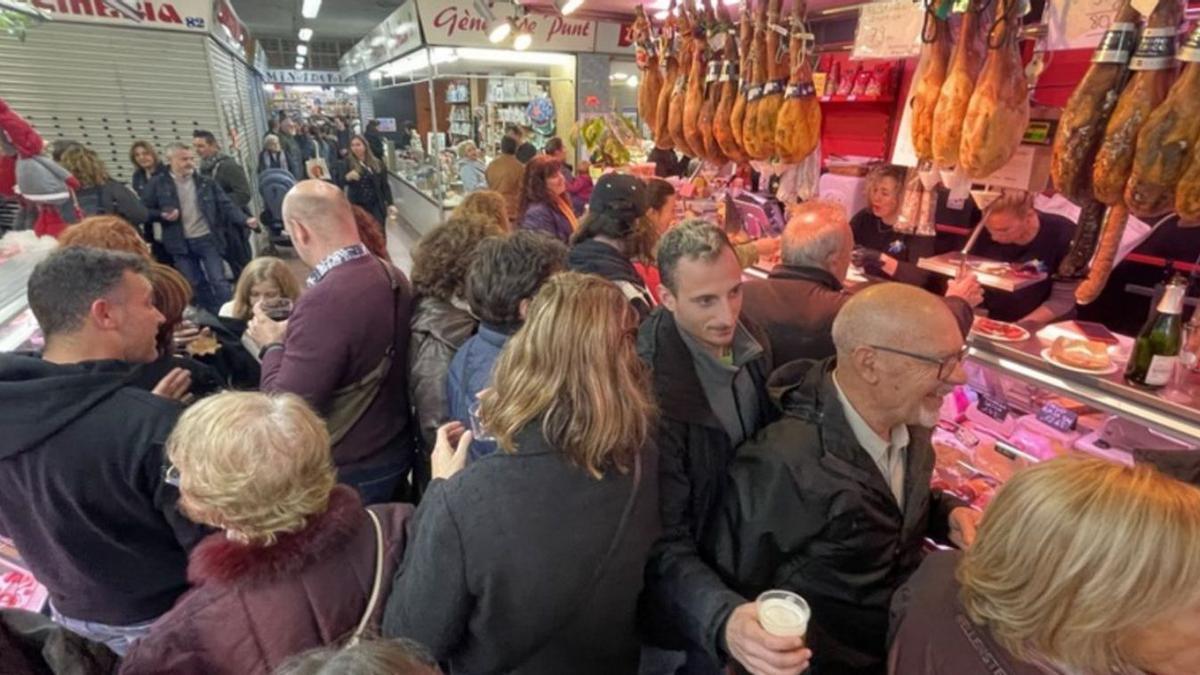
(807, 510)
(438, 330)
(253, 607)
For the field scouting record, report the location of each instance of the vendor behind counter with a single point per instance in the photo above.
(1015, 232)
(880, 249)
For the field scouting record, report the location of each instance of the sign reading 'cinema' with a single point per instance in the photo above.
(188, 15)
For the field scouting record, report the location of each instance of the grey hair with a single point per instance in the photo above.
(270, 139)
(462, 148)
(399, 656)
(694, 238)
(1017, 202)
(175, 147)
(817, 231)
(63, 287)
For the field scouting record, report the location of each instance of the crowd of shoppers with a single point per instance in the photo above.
(604, 478)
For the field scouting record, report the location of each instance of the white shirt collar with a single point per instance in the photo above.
(875, 445)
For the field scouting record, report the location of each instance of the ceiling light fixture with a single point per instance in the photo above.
(522, 41)
(499, 30)
(310, 9)
(305, 34)
(302, 50)
(506, 56)
(566, 7)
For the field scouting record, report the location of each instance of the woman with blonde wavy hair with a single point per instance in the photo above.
(264, 278)
(296, 562)
(531, 559)
(1081, 567)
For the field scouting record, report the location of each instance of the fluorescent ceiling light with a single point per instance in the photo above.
(305, 34)
(566, 7)
(505, 56)
(499, 30)
(302, 50)
(299, 66)
(522, 41)
(310, 9)
(352, 91)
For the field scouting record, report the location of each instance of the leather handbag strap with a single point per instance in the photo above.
(358, 633)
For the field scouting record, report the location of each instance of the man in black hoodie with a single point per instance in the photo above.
(83, 492)
(710, 372)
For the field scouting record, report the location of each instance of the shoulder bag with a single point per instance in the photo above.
(365, 621)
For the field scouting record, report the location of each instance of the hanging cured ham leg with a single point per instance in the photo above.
(724, 130)
(679, 93)
(935, 60)
(717, 37)
(798, 127)
(752, 137)
(737, 114)
(955, 95)
(650, 84)
(1081, 128)
(1153, 69)
(776, 73)
(662, 127)
(1166, 144)
(999, 109)
(693, 101)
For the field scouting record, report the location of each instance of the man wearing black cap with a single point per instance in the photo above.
(611, 234)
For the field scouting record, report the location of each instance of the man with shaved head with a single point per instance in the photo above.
(797, 302)
(345, 345)
(833, 500)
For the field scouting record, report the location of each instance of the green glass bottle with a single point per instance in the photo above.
(1157, 346)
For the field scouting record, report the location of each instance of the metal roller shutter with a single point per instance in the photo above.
(232, 81)
(109, 86)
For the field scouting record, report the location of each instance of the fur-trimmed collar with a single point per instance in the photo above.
(221, 560)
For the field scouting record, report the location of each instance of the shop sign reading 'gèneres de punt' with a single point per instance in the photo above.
(455, 23)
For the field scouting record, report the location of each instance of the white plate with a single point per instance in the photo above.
(1001, 338)
(1112, 367)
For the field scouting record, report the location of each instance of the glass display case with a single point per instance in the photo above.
(1019, 408)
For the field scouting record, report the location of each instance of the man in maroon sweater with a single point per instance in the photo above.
(346, 339)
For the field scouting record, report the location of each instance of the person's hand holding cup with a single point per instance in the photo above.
(773, 645)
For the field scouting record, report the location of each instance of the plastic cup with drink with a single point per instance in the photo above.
(783, 613)
(478, 432)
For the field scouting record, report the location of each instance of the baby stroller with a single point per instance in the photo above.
(273, 185)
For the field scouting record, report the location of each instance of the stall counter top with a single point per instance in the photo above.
(1174, 410)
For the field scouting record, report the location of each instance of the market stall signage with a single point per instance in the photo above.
(317, 77)
(1078, 24)
(185, 15)
(888, 30)
(230, 30)
(455, 23)
(614, 38)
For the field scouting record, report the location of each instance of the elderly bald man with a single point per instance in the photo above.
(833, 500)
(797, 302)
(345, 346)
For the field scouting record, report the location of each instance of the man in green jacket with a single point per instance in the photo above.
(230, 177)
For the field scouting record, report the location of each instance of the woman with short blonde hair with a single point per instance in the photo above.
(264, 277)
(297, 562)
(532, 559)
(1081, 565)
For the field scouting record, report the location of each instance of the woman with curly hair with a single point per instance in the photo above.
(99, 194)
(545, 206)
(440, 321)
(489, 204)
(296, 562)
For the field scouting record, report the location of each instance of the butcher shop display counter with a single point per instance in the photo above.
(1019, 408)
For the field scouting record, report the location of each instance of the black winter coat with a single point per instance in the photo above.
(808, 511)
(499, 572)
(371, 191)
(686, 602)
(82, 492)
(438, 330)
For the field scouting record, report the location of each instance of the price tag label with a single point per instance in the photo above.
(993, 407)
(1057, 417)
